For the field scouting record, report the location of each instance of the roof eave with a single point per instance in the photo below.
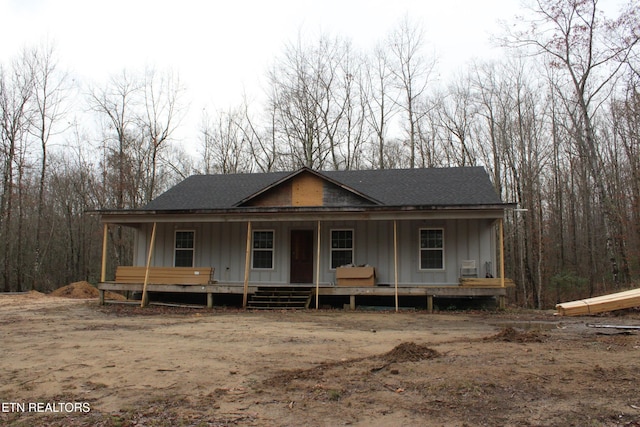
(304, 213)
(285, 209)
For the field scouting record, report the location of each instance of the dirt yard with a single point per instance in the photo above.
(74, 363)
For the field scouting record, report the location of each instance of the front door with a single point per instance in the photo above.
(301, 256)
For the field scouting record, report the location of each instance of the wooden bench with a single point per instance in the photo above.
(165, 275)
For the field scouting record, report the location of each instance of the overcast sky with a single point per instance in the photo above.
(220, 48)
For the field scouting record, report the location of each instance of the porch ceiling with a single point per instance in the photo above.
(132, 217)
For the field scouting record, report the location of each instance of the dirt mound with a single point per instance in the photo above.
(34, 295)
(76, 290)
(409, 352)
(404, 352)
(511, 335)
(82, 290)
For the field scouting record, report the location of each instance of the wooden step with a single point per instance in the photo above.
(279, 294)
(267, 298)
(280, 298)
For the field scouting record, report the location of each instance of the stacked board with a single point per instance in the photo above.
(494, 282)
(611, 302)
(165, 275)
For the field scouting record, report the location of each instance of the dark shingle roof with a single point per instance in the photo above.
(423, 187)
(463, 186)
(213, 191)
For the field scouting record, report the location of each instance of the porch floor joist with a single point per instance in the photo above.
(429, 292)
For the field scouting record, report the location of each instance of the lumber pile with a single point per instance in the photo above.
(165, 275)
(602, 304)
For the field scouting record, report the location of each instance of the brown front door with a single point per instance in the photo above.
(301, 256)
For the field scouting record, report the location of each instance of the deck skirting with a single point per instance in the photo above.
(427, 291)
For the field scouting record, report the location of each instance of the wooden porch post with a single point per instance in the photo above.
(501, 233)
(145, 297)
(105, 236)
(103, 271)
(247, 263)
(395, 259)
(318, 268)
(502, 303)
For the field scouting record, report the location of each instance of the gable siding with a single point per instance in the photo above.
(337, 196)
(280, 196)
(306, 190)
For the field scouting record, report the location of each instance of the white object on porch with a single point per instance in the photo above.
(469, 268)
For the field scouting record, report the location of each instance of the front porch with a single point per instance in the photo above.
(309, 253)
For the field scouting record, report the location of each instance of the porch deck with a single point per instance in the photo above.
(480, 288)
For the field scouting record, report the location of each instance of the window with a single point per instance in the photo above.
(341, 247)
(431, 249)
(184, 249)
(262, 249)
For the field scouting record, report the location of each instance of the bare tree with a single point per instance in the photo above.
(293, 95)
(161, 117)
(116, 104)
(353, 97)
(16, 92)
(51, 89)
(311, 89)
(625, 126)
(380, 105)
(262, 143)
(225, 149)
(412, 71)
(457, 115)
(590, 49)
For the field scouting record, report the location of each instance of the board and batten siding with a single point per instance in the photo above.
(222, 246)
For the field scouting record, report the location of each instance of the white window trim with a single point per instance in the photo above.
(273, 250)
(193, 250)
(331, 250)
(420, 249)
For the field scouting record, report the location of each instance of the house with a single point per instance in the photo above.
(418, 232)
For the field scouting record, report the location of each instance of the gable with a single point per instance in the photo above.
(306, 189)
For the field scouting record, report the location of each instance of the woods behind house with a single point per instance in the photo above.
(556, 123)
